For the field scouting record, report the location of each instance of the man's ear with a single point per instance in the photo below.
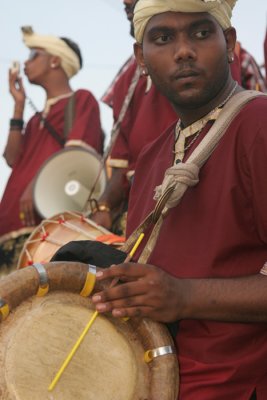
(55, 62)
(138, 52)
(230, 38)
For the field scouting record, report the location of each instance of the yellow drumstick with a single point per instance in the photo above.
(132, 252)
(88, 326)
(72, 352)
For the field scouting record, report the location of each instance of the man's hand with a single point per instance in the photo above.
(102, 218)
(16, 88)
(143, 291)
(113, 196)
(26, 205)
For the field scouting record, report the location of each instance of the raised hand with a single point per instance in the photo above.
(16, 88)
(27, 212)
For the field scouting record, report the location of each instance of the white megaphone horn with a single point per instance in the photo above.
(66, 180)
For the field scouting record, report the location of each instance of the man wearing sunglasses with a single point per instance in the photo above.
(52, 62)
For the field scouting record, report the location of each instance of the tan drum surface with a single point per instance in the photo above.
(60, 229)
(39, 333)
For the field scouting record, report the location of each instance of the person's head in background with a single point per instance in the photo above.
(51, 59)
(129, 6)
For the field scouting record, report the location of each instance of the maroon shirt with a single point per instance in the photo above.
(39, 145)
(219, 229)
(265, 55)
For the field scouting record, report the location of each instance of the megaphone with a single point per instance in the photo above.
(66, 180)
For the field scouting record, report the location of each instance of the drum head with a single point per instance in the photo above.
(39, 333)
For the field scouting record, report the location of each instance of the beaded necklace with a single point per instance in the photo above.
(195, 128)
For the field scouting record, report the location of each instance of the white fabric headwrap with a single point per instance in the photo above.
(221, 10)
(55, 46)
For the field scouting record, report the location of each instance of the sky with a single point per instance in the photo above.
(101, 29)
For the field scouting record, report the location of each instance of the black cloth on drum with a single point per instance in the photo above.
(90, 252)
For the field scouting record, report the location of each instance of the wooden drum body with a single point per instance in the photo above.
(37, 334)
(53, 233)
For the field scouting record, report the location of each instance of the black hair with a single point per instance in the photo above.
(134, 4)
(75, 48)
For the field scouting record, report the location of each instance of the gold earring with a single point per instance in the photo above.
(148, 84)
(230, 58)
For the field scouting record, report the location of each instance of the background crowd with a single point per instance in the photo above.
(103, 52)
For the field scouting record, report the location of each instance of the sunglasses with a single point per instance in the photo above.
(34, 53)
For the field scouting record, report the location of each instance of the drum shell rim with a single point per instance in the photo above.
(70, 276)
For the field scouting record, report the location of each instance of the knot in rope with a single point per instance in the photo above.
(179, 177)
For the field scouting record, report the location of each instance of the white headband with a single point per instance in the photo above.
(221, 10)
(55, 46)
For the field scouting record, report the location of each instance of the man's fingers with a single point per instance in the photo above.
(124, 271)
(128, 302)
(131, 312)
(130, 307)
(122, 291)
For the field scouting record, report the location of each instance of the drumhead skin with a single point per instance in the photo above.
(39, 333)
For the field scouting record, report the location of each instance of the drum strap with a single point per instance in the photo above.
(69, 115)
(125, 106)
(51, 130)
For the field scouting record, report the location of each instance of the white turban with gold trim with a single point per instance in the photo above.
(55, 46)
(221, 10)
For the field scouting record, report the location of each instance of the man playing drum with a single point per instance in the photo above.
(52, 62)
(148, 114)
(204, 256)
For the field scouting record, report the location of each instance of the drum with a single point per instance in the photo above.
(54, 232)
(118, 359)
(11, 245)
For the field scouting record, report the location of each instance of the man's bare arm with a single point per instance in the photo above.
(112, 197)
(147, 291)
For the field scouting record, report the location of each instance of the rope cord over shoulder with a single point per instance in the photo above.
(183, 175)
(116, 127)
(69, 114)
(123, 110)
